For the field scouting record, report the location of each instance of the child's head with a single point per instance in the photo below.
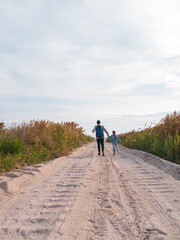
(114, 132)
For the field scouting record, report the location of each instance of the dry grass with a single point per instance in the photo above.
(38, 141)
(162, 140)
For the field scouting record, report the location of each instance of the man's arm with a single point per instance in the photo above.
(94, 129)
(106, 131)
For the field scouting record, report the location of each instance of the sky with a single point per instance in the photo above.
(84, 60)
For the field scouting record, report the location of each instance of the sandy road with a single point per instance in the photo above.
(89, 197)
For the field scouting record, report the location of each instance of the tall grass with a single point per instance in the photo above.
(38, 141)
(162, 140)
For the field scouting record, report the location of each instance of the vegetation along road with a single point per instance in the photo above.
(132, 195)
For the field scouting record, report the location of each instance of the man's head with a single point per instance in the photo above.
(114, 132)
(98, 122)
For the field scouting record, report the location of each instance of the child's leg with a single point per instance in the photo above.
(114, 149)
(116, 146)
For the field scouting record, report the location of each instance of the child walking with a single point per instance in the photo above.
(115, 140)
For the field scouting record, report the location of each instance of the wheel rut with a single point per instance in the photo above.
(38, 219)
(90, 197)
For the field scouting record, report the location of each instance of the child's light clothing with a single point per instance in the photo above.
(115, 140)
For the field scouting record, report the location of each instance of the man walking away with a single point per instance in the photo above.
(99, 129)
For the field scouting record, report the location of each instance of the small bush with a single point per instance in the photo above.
(10, 145)
(9, 161)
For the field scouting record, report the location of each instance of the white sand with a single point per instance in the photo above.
(85, 196)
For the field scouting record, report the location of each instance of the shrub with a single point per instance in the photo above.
(10, 145)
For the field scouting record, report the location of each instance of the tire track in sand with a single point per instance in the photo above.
(29, 218)
(90, 197)
(115, 215)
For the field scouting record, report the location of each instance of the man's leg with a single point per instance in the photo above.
(98, 143)
(102, 145)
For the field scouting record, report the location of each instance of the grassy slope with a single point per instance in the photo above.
(38, 141)
(162, 140)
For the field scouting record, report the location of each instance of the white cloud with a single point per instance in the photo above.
(94, 59)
